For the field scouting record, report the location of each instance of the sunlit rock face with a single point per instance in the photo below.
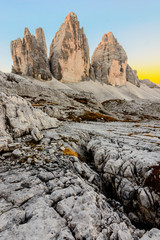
(29, 55)
(109, 61)
(69, 52)
(131, 76)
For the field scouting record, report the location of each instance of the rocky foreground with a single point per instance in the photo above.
(91, 172)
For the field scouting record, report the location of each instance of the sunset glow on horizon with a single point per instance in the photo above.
(135, 24)
(148, 72)
(153, 74)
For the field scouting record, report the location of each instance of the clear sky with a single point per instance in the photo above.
(135, 23)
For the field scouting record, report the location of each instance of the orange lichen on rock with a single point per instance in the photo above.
(70, 152)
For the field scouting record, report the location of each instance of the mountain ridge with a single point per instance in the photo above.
(69, 59)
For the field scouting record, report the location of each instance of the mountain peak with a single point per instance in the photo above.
(108, 37)
(71, 15)
(109, 61)
(27, 32)
(69, 52)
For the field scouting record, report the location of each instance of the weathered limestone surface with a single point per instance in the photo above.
(132, 110)
(131, 76)
(69, 52)
(87, 180)
(109, 61)
(29, 55)
(128, 159)
(59, 103)
(153, 234)
(48, 192)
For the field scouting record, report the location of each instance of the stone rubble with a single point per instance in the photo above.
(18, 117)
(59, 103)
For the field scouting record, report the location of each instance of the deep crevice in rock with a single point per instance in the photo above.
(26, 219)
(110, 193)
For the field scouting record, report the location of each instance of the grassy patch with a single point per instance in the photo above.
(91, 116)
(42, 102)
(81, 100)
(118, 101)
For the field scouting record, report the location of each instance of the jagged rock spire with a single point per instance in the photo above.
(109, 61)
(29, 55)
(69, 52)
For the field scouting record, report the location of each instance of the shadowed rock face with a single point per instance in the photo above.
(69, 52)
(109, 61)
(131, 76)
(29, 55)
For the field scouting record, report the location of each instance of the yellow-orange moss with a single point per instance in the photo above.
(70, 152)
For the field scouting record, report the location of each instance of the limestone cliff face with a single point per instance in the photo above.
(29, 55)
(69, 52)
(131, 76)
(109, 61)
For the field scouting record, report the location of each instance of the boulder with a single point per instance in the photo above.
(153, 234)
(18, 117)
(109, 61)
(29, 55)
(69, 52)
